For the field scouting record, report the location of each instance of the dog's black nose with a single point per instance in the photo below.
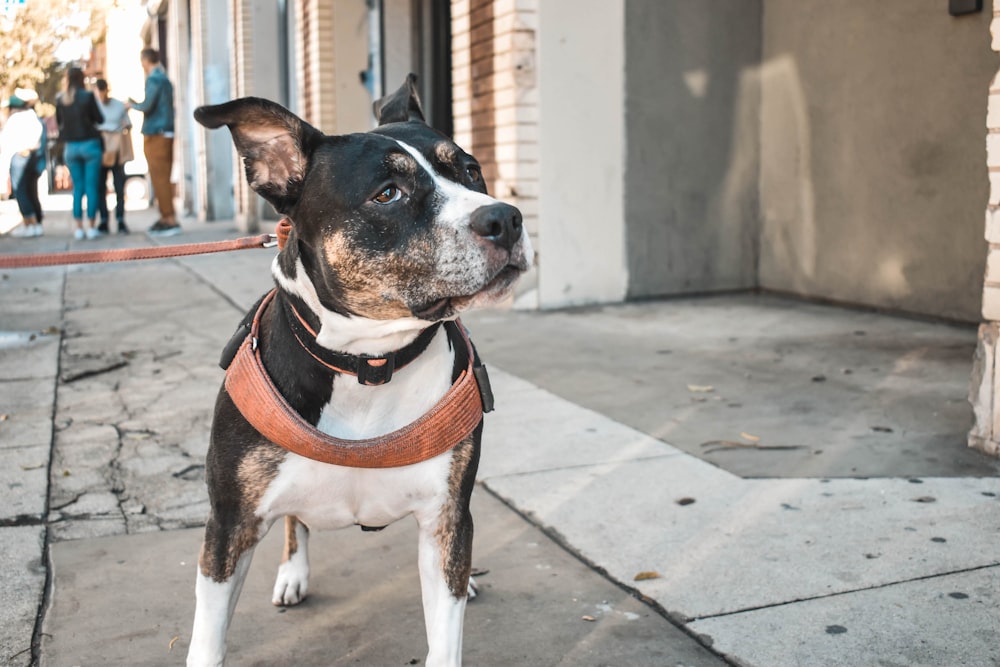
(499, 223)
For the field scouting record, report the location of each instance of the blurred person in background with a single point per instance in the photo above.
(19, 142)
(41, 157)
(116, 153)
(78, 116)
(158, 139)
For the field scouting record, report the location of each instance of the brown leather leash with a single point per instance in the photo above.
(448, 423)
(128, 254)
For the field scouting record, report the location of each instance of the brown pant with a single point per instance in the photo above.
(159, 152)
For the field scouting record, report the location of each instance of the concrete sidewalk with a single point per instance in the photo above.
(841, 545)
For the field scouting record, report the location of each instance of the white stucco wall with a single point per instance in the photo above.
(581, 70)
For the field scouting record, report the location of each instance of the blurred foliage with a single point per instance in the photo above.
(31, 36)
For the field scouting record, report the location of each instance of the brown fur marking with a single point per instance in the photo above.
(454, 531)
(291, 538)
(374, 285)
(255, 472)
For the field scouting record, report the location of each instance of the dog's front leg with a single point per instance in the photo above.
(292, 582)
(445, 560)
(222, 569)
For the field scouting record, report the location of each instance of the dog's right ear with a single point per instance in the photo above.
(400, 106)
(275, 145)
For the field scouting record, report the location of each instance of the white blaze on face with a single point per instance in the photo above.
(462, 257)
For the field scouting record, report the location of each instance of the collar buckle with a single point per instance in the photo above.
(376, 371)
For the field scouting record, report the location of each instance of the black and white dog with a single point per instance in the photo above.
(393, 233)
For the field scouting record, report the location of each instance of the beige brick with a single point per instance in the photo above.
(459, 8)
(993, 266)
(521, 132)
(521, 99)
(461, 77)
(519, 154)
(993, 150)
(460, 58)
(992, 233)
(993, 111)
(991, 303)
(529, 208)
(461, 107)
(994, 177)
(525, 188)
(528, 114)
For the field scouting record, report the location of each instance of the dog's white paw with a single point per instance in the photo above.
(473, 589)
(292, 583)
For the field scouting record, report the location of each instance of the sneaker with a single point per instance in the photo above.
(93, 233)
(36, 230)
(164, 229)
(122, 227)
(102, 227)
(78, 234)
(22, 231)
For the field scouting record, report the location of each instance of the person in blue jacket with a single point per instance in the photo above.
(158, 139)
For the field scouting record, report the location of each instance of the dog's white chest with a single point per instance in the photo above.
(327, 496)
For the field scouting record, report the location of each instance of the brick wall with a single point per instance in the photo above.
(495, 96)
(984, 390)
(315, 60)
(241, 75)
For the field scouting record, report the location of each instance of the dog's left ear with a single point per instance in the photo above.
(274, 143)
(400, 106)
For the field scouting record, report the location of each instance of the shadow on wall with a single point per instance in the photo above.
(830, 163)
(693, 146)
(788, 203)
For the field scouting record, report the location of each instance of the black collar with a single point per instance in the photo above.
(370, 370)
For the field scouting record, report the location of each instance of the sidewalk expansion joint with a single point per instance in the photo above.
(581, 466)
(810, 598)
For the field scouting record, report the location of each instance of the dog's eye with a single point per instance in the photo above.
(474, 173)
(390, 194)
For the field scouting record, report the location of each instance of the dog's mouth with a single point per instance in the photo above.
(496, 289)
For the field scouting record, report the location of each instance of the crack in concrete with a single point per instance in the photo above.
(117, 481)
(91, 372)
(59, 508)
(22, 520)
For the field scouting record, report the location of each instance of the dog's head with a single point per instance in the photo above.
(388, 224)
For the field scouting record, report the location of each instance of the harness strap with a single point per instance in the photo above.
(450, 421)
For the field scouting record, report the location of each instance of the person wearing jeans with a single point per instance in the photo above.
(158, 139)
(78, 116)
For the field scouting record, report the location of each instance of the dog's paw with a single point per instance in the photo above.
(291, 584)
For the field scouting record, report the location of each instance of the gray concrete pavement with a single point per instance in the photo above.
(827, 392)
(861, 547)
